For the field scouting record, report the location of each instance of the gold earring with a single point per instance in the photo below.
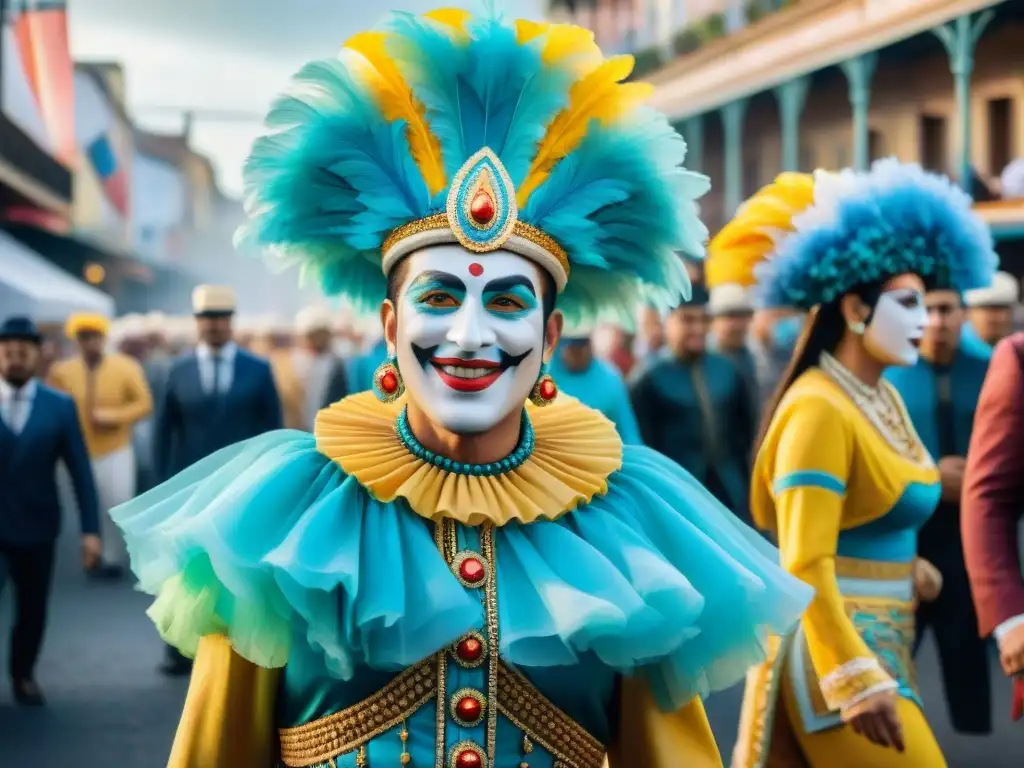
(545, 390)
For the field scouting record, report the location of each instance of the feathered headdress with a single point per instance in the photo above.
(868, 226)
(446, 127)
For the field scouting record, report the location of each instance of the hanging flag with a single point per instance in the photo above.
(41, 28)
(95, 126)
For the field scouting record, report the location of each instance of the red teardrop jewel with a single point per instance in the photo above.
(389, 383)
(548, 391)
(468, 709)
(482, 207)
(470, 649)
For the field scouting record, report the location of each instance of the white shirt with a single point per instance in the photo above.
(205, 356)
(16, 404)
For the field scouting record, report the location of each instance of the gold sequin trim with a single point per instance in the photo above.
(441, 539)
(873, 570)
(467, 693)
(460, 558)
(321, 740)
(545, 724)
(478, 662)
(491, 617)
(521, 229)
(463, 746)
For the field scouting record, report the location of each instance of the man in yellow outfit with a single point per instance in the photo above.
(110, 394)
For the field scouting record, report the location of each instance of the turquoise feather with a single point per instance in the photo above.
(333, 178)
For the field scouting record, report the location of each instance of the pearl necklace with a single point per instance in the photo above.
(879, 405)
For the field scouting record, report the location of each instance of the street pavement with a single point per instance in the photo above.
(109, 707)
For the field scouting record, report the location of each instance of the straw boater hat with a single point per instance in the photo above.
(213, 301)
(1003, 292)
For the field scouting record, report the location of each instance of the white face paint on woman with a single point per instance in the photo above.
(894, 334)
(470, 336)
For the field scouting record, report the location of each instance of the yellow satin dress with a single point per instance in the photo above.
(846, 506)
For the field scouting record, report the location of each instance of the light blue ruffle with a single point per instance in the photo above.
(654, 577)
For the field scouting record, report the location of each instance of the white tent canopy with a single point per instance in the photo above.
(32, 286)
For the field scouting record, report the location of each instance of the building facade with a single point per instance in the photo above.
(761, 86)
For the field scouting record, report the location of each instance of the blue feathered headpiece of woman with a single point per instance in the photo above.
(864, 227)
(446, 127)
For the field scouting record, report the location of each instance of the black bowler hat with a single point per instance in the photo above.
(20, 329)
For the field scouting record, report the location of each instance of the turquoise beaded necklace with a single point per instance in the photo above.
(513, 461)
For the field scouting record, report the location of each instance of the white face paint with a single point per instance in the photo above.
(470, 338)
(896, 327)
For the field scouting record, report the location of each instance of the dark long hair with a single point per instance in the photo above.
(823, 329)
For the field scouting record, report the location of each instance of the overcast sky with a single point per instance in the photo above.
(224, 55)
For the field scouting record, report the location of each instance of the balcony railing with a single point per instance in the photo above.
(691, 24)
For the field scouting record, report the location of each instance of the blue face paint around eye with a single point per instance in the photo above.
(519, 294)
(424, 286)
(786, 331)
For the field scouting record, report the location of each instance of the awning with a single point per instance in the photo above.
(30, 285)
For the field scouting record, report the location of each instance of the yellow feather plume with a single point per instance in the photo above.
(563, 42)
(599, 95)
(751, 236)
(397, 102)
(455, 18)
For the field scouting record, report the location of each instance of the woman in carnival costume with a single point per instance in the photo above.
(841, 477)
(464, 570)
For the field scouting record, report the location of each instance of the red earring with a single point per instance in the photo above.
(387, 381)
(545, 390)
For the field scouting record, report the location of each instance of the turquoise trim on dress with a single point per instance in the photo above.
(513, 461)
(893, 536)
(809, 478)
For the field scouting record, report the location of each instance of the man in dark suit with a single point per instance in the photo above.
(38, 428)
(993, 509)
(215, 396)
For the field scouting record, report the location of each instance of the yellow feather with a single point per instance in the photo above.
(750, 237)
(397, 102)
(455, 18)
(562, 43)
(597, 96)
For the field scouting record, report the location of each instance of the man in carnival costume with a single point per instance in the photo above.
(465, 570)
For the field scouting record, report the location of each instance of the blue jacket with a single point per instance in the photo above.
(667, 403)
(601, 387)
(191, 424)
(30, 510)
(917, 386)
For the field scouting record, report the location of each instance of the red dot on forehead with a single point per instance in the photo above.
(476, 269)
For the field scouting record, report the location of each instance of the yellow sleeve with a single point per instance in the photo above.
(651, 738)
(56, 378)
(809, 478)
(228, 720)
(138, 400)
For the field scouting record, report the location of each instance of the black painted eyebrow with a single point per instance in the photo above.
(502, 284)
(438, 278)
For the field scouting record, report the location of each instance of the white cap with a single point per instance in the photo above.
(1003, 292)
(312, 319)
(731, 298)
(1012, 180)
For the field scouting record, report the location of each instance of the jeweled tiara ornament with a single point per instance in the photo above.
(496, 135)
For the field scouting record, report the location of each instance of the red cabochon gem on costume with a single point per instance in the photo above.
(469, 709)
(482, 208)
(476, 269)
(467, 758)
(472, 570)
(470, 649)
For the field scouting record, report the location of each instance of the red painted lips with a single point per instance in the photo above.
(467, 375)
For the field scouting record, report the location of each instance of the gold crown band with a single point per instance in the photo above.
(439, 221)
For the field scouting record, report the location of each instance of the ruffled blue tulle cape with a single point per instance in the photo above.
(268, 540)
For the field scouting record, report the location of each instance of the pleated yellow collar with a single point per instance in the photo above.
(575, 450)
